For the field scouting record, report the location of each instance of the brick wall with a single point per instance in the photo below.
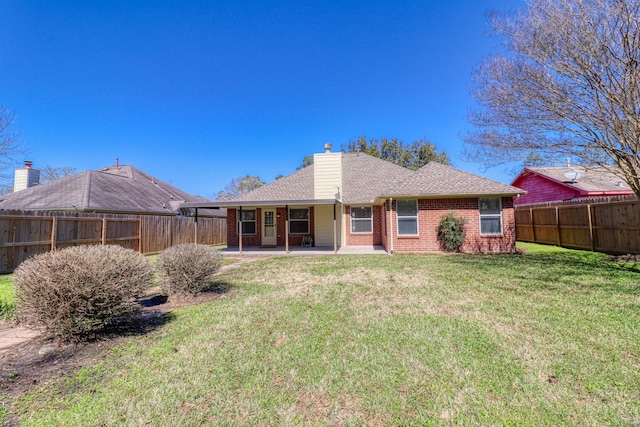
(431, 211)
(256, 239)
(373, 238)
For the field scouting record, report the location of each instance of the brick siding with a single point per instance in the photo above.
(256, 239)
(373, 238)
(431, 211)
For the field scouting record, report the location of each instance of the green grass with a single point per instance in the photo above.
(550, 337)
(6, 296)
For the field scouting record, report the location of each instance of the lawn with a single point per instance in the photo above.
(551, 337)
(6, 296)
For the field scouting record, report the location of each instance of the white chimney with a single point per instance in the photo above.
(26, 177)
(327, 174)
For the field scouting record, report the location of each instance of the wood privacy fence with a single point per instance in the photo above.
(26, 233)
(610, 227)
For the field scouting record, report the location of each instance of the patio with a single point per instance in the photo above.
(297, 250)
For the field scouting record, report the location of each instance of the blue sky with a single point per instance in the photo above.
(198, 93)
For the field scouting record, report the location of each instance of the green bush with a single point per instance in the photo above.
(76, 292)
(188, 268)
(451, 232)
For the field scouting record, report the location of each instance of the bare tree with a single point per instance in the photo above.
(239, 186)
(50, 173)
(567, 84)
(10, 145)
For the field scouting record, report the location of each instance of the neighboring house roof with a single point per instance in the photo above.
(367, 179)
(588, 182)
(123, 189)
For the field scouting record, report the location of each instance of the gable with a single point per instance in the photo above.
(542, 189)
(546, 184)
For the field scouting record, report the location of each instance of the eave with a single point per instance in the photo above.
(256, 203)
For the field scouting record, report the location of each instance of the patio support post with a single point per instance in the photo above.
(286, 229)
(335, 232)
(391, 221)
(240, 230)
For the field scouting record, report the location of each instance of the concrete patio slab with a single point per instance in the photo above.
(11, 337)
(296, 251)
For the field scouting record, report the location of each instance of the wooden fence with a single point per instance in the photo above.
(26, 233)
(610, 227)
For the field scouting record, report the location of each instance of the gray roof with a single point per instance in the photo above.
(367, 179)
(297, 186)
(124, 189)
(438, 180)
(590, 179)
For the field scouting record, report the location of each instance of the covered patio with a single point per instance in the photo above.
(291, 226)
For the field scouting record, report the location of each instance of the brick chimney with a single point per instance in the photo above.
(26, 177)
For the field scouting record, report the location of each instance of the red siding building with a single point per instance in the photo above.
(550, 184)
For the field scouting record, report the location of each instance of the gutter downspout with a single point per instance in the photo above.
(286, 231)
(391, 222)
(335, 231)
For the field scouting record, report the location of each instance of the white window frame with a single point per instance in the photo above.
(362, 220)
(300, 220)
(416, 216)
(491, 215)
(254, 220)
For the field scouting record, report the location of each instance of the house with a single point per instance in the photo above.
(550, 184)
(116, 189)
(354, 199)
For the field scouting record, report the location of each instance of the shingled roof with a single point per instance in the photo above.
(367, 179)
(589, 180)
(438, 180)
(122, 189)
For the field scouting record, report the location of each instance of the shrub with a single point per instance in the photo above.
(74, 293)
(187, 268)
(451, 232)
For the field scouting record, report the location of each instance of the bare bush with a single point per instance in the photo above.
(76, 292)
(187, 268)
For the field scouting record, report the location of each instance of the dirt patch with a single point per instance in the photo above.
(40, 360)
(625, 258)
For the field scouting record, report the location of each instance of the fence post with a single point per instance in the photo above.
(558, 227)
(104, 230)
(533, 226)
(54, 231)
(591, 238)
(140, 234)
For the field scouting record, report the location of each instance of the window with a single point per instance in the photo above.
(248, 221)
(490, 216)
(407, 217)
(299, 221)
(361, 220)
